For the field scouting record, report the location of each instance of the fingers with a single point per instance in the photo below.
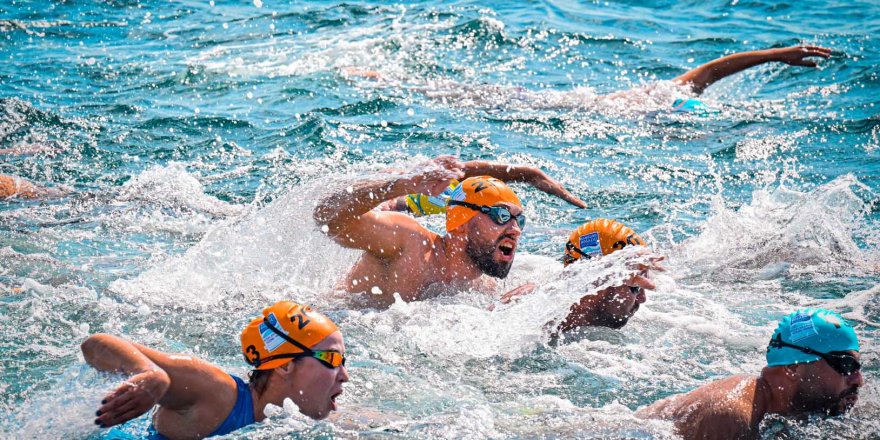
(132, 408)
(641, 281)
(817, 51)
(110, 411)
(652, 266)
(113, 404)
(576, 202)
(449, 162)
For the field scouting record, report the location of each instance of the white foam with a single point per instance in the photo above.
(785, 229)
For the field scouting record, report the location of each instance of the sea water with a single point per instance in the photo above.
(196, 137)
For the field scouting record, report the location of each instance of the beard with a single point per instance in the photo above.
(843, 404)
(482, 255)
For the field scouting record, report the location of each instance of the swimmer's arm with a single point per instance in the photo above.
(176, 382)
(518, 173)
(723, 426)
(704, 76)
(518, 292)
(12, 186)
(146, 386)
(507, 173)
(351, 223)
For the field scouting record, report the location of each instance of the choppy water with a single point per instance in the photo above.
(197, 136)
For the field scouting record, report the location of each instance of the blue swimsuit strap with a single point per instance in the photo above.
(242, 413)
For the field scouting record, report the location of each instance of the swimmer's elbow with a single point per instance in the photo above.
(93, 344)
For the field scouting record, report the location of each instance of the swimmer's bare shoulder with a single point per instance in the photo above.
(723, 409)
(399, 253)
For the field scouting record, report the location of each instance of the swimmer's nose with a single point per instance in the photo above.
(642, 296)
(342, 375)
(514, 229)
(856, 379)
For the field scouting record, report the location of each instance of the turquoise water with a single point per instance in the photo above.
(195, 138)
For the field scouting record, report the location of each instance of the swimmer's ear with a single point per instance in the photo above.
(791, 371)
(287, 369)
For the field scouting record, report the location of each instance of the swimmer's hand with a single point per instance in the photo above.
(134, 397)
(645, 262)
(433, 176)
(544, 183)
(518, 293)
(796, 55)
(361, 72)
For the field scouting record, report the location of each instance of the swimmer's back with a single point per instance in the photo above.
(719, 410)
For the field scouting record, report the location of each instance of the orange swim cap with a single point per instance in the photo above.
(265, 349)
(480, 190)
(599, 237)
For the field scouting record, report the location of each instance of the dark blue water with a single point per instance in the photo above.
(194, 138)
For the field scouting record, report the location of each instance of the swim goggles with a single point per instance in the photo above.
(328, 358)
(499, 214)
(571, 247)
(841, 361)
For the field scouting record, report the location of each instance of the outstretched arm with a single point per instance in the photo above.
(525, 174)
(352, 223)
(505, 172)
(704, 76)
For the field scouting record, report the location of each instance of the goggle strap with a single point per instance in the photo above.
(306, 350)
(571, 246)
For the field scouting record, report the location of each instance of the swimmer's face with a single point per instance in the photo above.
(313, 386)
(826, 390)
(618, 304)
(492, 246)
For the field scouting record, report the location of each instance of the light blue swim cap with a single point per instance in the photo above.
(817, 329)
(691, 105)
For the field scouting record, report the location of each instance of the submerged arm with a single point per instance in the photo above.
(704, 76)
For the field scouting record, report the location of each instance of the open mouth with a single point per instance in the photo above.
(333, 398)
(507, 248)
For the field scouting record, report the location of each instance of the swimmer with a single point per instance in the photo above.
(483, 225)
(295, 352)
(610, 307)
(694, 81)
(812, 368)
(16, 187)
(419, 204)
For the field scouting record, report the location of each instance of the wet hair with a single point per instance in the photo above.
(259, 380)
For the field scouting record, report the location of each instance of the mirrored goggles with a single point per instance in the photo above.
(328, 358)
(499, 214)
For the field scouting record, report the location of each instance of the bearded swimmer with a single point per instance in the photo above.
(483, 225)
(812, 368)
(296, 353)
(611, 307)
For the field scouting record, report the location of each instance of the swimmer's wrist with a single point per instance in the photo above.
(155, 382)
